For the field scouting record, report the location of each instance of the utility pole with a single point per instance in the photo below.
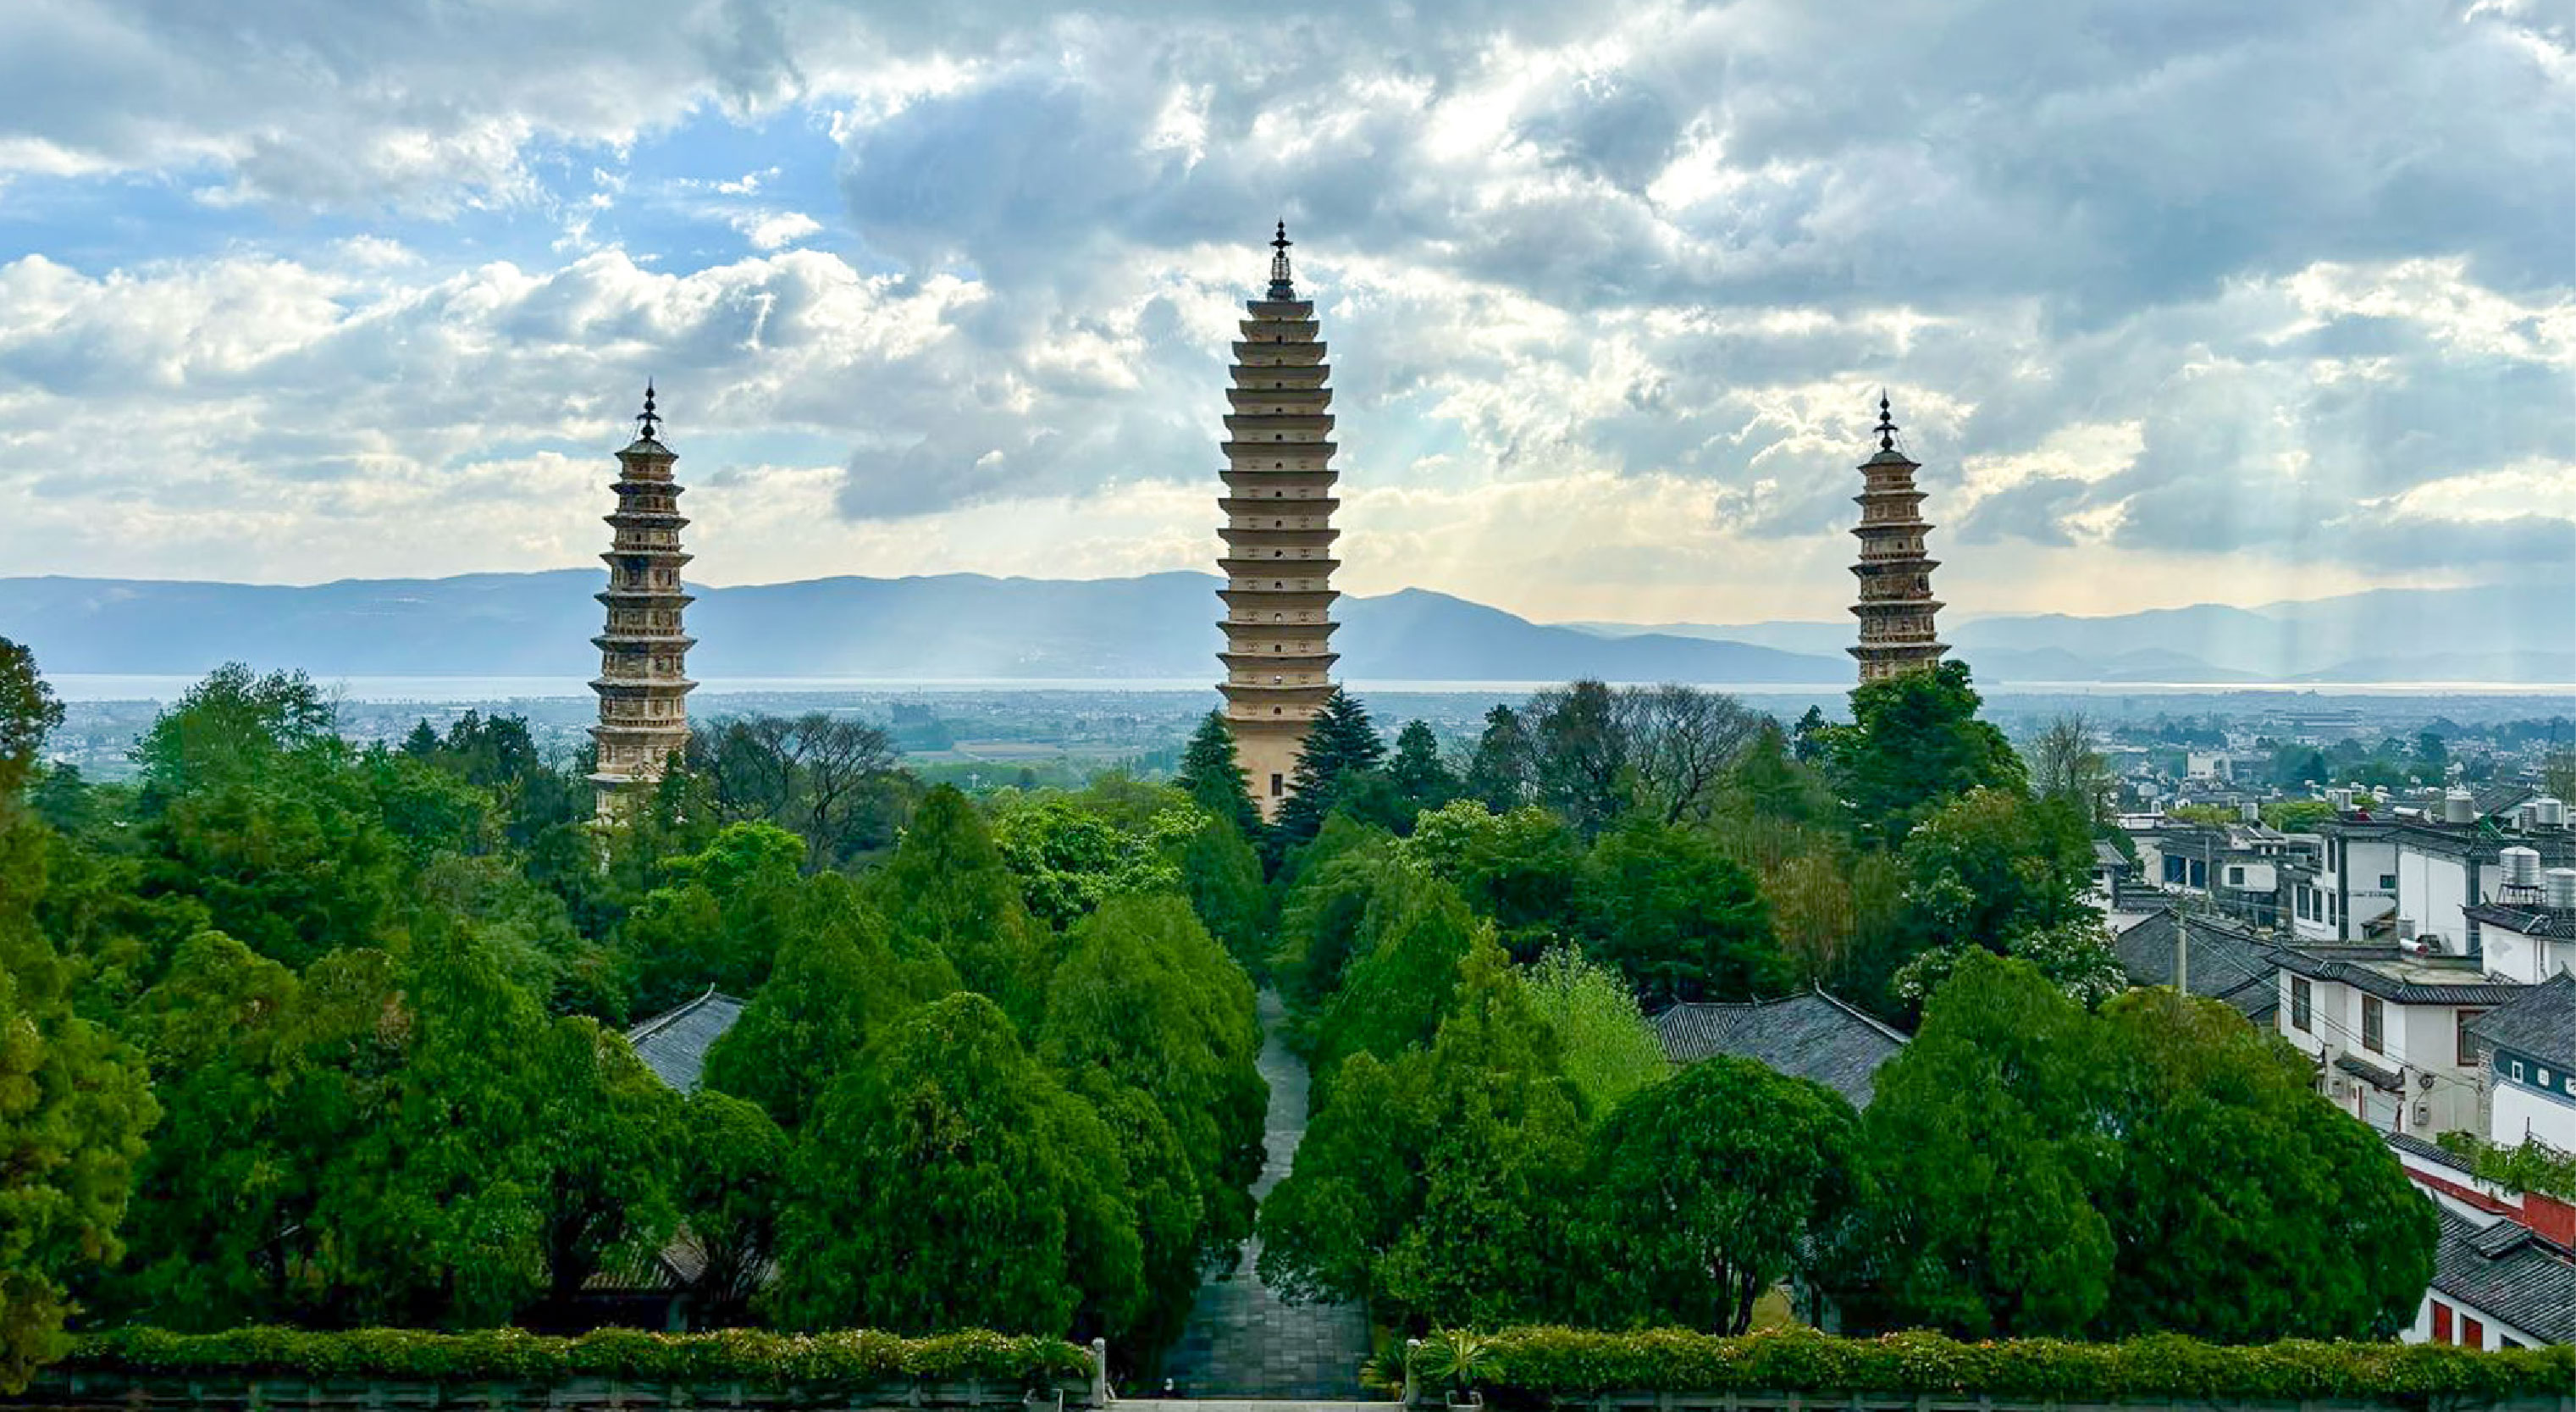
(2182, 951)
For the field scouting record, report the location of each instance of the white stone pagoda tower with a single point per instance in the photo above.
(1896, 607)
(643, 683)
(1278, 508)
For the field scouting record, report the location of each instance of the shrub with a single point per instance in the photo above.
(739, 1355)
(1533, 1364)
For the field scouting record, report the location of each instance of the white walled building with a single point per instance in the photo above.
(2527, 1049)
(2389, 1032)
(2503, 1273)
(2430, 878)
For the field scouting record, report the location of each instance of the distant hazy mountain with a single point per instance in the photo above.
(2522, 633)
(947, 626)
(1164, 626)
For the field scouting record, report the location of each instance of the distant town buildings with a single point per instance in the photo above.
(1896, 607)
(1278, 509)
(643, 684)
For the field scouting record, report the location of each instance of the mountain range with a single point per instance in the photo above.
(1162, 626)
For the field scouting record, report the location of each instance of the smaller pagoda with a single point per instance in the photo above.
(1896, 607)
(643, 683)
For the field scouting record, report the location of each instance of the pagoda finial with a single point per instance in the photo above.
(1281, 287)
(649, 421)
(1886, 424)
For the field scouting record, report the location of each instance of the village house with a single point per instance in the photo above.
(2526, 1052)
(2388, 1029)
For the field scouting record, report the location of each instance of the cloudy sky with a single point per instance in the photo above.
(2178, 301)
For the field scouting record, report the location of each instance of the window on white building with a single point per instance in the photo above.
(2374, 1025)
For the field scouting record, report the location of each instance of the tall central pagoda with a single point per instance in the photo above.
(1278, 508)
(643, 683)
(1896, 607)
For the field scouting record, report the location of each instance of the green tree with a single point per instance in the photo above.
(1981, 1142)
(1420, 778)
(1811, 739)
(1993, 865)
(2158, 1167)
(1713, 1186)
(291, 857)
(229, 723)
(2245, 1207)
(1438, 1186)
(1609, 1050)
(421, 1119)
(1501, 1165)
(222, 1198)
(1146, 1003)
(1915, 744)
(718, 921)
(1580, 754)
(1212, 775)
(840, 978)
(1221, 875)
(1354, 1189)
(1522, 870)
(77, 1105)
(948, 890)
(948, 1181)
(1321, 913)
(28, 712)
(1499, 772)
(728, 1193)
(1072, 852)
(2433, 753)
(608, 1145)
(1402, 982)
(1340, 746)
(1678, 918)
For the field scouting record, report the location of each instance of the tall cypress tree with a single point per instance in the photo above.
(1341, 743)
(1211, 776)
(1498, 774)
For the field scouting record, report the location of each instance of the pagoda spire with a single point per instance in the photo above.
(1896, 608)
(1281, 286)
(1278, 531)
(643, 683)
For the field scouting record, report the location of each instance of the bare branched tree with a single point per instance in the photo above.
(1681, 743)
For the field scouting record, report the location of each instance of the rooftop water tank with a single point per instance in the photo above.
(2558, 888)
(2549, 813)
(2459, 807)
(2521, 867)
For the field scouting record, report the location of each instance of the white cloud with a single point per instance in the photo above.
(1611, 287)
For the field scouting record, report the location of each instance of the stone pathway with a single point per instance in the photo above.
(1243, 1341)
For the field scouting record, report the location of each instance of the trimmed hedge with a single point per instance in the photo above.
(1536, 1364)
(630, 1355)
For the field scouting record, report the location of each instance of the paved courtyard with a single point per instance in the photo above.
(1243, 1341)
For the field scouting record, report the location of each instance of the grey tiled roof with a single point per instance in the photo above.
(2540, 1020)
(2346, 965)
(2507, 1271)
(2499, 796)
(674, 1044)
(2418, 1148)
(1811, 1036)
(2524, 921)
(2228, 963)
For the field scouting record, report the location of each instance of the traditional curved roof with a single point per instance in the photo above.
(1810, 1036)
